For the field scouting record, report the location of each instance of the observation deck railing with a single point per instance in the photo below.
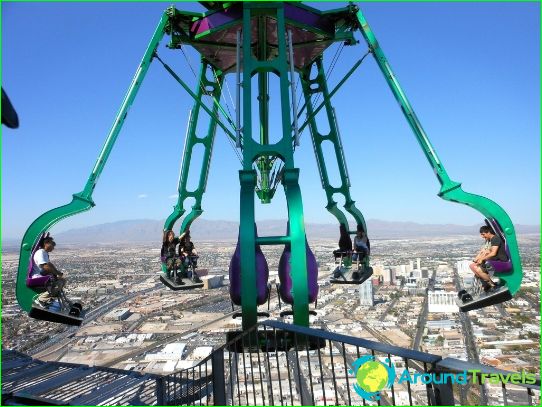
(271, 364)
(275, 363)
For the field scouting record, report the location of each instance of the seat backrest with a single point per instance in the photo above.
(262, 274)
(36, 281)
(500, 266)
(345, 241)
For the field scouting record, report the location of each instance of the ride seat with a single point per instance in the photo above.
(262, 275)
(502, 266)
(40, 281)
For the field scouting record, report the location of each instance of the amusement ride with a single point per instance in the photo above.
(259, 39)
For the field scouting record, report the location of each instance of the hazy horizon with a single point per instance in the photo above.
(383, 229)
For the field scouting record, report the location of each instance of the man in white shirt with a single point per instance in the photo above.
(43, 267)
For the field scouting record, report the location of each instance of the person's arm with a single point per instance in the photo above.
(51, 269)
(488, 254)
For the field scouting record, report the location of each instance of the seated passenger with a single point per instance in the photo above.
(345, 243)
(43, 267)
(169, 252)
(188, 254)
(492, 250)
(361, 248)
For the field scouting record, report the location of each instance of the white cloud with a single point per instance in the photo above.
(142, 196)
(173, 196)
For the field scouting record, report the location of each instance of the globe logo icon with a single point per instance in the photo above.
(372, 376)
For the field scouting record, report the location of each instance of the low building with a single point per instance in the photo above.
(118, 314)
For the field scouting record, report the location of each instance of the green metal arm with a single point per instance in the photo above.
(82, 201)
(334, 138)
(450, 190)
(191, 141)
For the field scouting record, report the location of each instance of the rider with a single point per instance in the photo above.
(169, 252)
(493, 250)
(361, 246)
(43, 267)
(188, 254)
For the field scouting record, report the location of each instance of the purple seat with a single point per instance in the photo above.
(36, 281)
(285, 268)
(262, 275)
(500, 266)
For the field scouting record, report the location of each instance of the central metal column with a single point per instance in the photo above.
(256, 61)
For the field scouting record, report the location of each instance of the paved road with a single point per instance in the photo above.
(470, 346)
(422, 318)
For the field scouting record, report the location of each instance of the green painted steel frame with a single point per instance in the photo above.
(212, 88)
(252, 151)
(450, 190)
(82, 201)
(318, 86)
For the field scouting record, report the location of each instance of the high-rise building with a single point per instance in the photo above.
(389, 275)
(442, 301)
(366, 294)
(418, 263)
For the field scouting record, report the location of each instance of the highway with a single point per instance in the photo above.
(422, 318)
(470, 346)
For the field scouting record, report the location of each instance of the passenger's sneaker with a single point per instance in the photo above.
(196, 279)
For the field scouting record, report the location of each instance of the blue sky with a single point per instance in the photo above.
(470, 70)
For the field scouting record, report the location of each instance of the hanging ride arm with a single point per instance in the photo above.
(450, 190)
(191, 141)
(311, 87)
(82, 201)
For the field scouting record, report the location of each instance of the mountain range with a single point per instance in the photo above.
(148, 230)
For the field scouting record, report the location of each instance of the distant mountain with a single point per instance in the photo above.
(147, 230)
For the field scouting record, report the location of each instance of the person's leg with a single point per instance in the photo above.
(485, 277)
(61, 283)
(169, 267)
(178, 270)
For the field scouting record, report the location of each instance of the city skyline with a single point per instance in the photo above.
(68, 86)
(133, 321)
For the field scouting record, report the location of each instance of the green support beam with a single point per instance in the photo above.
(213, 89)
(255, 62)
(82, 201)
(450, 190)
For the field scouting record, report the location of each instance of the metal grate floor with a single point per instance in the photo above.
(29, 381)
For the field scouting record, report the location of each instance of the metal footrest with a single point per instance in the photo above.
(188, 284)
(61, 317)
(498, 296)
(357, 277)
